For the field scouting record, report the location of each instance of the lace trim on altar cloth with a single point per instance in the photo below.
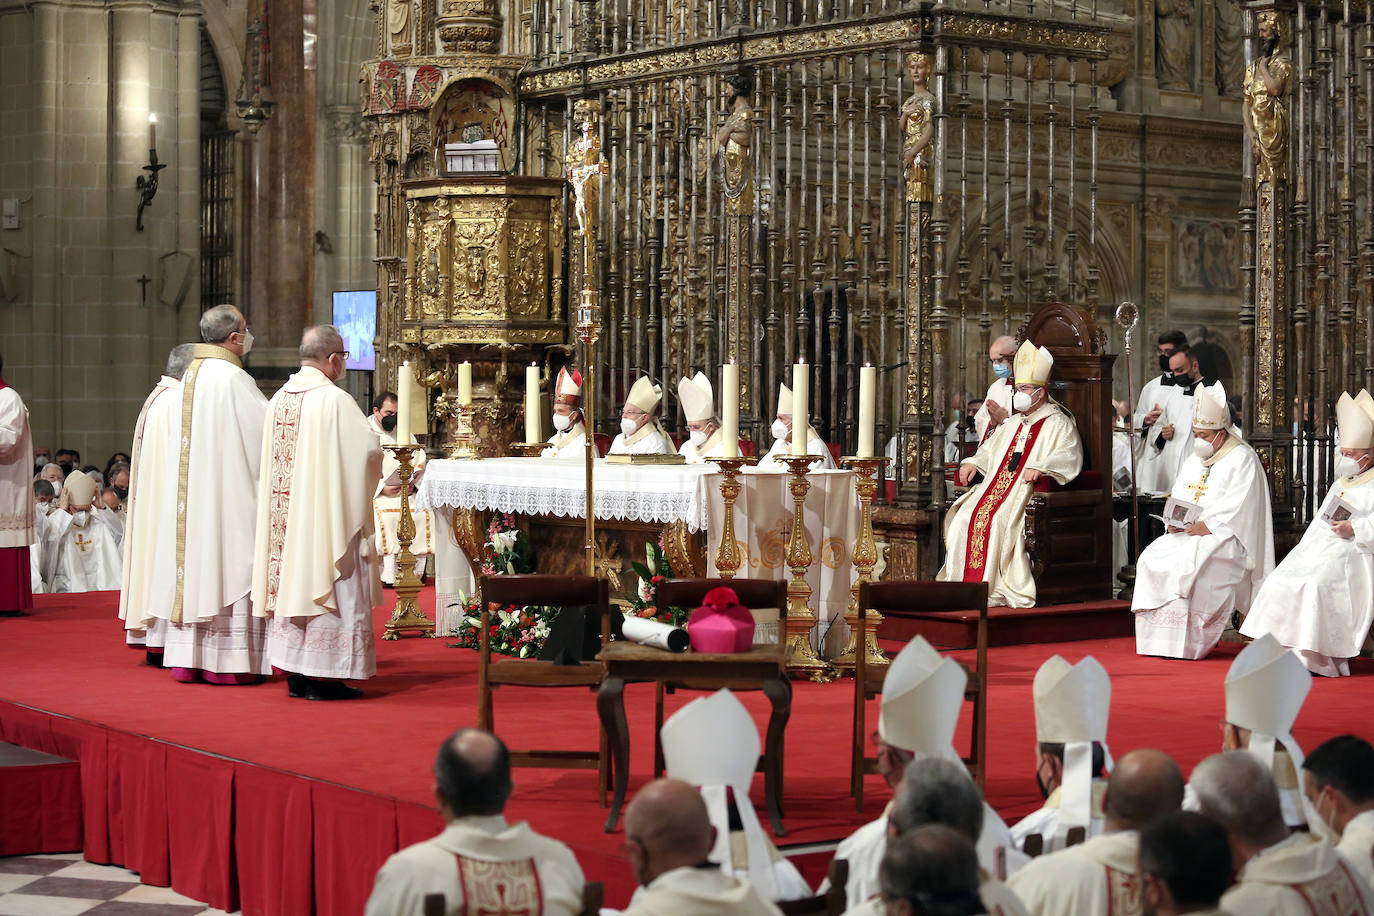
(628, 505)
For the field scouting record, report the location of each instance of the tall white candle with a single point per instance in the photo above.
(533, 422)
(729, 409)
(152, 130)
(868, 403)
(465, 384)
(404, 383)
(799, 405)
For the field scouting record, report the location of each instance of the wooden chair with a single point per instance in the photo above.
(893, 600)
(831, 903)
(1034, 843)
(689, 593)
(539, 590)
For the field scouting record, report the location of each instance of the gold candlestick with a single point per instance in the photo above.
(462, 449)
(800, 621)
(865, 558)
(406, 615)
(727, 553)
(528, 449)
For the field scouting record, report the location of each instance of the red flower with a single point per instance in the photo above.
(654, 580)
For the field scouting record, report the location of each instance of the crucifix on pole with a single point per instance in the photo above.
(143, 282)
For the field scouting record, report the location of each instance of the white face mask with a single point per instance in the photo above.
(1202, 448)
(561, 421)
(698, 437)
(1318, 823)
(779, 430)
(628, 427)
(79, 519)
(42, 508)
(1021, 401)
(247, 341)
(1347, 466)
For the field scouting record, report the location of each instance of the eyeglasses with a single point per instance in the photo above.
(343, 353)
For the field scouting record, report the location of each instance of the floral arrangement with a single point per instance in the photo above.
(508, 548)
(644, 603)
(515, 631)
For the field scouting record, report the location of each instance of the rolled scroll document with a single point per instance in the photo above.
(655, 633)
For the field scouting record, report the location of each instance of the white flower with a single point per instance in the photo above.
(507, 617)
(504, 541)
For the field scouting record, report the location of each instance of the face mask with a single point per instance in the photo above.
(247, 342)
(1202, 448)
(1347, 467)
(1021, 401)
(628, 427)
(79, 519)
(1001, 370)
(389, 422)
(42, 508)
(1320, 825)
(698, 437)
(121, 492)
(561, 421)
(66, 469)
(1163, 362)
(779, 430)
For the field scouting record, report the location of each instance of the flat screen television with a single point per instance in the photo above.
(355, 315)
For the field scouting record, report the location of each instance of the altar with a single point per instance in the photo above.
(679, 506)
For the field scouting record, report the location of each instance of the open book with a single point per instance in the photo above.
(1179, 513)
(395, 479)
(1337, 510)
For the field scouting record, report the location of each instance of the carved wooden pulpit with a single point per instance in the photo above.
(1069, 528)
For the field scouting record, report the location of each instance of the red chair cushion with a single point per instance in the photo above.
(603, 444)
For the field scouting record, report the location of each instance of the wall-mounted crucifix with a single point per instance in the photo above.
(143, 281)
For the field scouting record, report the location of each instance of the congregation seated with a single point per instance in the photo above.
(479, 863)
(669, 838)
(1339, 784)
(1189, 580)
(640, 431)
(931, 870)
(984, 531)
(1185, 865)
(1319, 601)
(1281, 872)
(569, 439)
(1099, 876)
(703, 426)
(782, 439)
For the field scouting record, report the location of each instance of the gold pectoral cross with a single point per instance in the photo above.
(1197, 489)
(82, 543)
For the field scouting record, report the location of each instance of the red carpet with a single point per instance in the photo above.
(239, 795)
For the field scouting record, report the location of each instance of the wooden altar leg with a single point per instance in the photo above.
(779, 694)
(610, 706)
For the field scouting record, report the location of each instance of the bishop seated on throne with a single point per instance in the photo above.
(985, 528)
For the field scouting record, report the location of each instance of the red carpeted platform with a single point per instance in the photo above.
(240, 796)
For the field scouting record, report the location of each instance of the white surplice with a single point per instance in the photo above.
(1320, 599)
(1299, 876)
(815, 445)
(1095, 878)
(88, 558)
(1045, 821)
(999, 536)
(1357, 844)
(571, 443)
(47, 548)
(150, 523)
(1156, 467)
(387, 512)
(685, 891)
(314, 575)
(507, 869)
(1187, 585)
(863, 850)
(1000, 393)
(649, 440)
(222, 413)
(17, 524)
(713, 447)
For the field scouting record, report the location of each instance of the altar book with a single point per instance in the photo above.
(1337, 510)
(1179, 513)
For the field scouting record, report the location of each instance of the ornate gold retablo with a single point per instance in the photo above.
(479, 261)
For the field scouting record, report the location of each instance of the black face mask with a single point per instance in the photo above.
(66, 468)
(122, 493)
(1163, 362)
(389, 422)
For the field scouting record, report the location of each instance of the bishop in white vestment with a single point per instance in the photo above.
(703, 429)
(985, 538)
(88, 557)
(212, 633)
(150, 523)
(569, 439)
(314, 573)
(386, 502)
(640, 432)
(1189, 580)
(1319, 601)
(782, 439)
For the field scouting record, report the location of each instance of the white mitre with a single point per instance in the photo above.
(1072, 704)
(1032, 365)
(923, 693)
(1265, 690)
(645, 394)
(695, 396)
(1356, 423)
(713, 744)
(1210, 410)
(784, 401)
(81, 489)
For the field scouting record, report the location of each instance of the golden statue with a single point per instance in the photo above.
(1266, 109)
(917, 128)
(585, 167)
(733, 141)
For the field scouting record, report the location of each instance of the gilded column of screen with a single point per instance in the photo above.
(654, 226)
(1318, 473)
(787, 272)
(1051, 291)
(637, 357)
(938, 322)
(613, 148)
(752, 320)
(629, 230)
(1008, 272)
(1349, 165)
(708, 232)
(734, 150)
(815, 345)
(1071, 221)
(803, 319)
(777, 241)
(1303, 215)
(984, 203)
(890, 312)
(962, 268)
(1094, 271)
(673, 275)
(851, 350)
(838, 220)
(1367, 240)
(1028, 228)
(864, 323)
(916, 128)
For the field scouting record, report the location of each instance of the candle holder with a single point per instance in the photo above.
(406, 615)
(528, 449)
(800, 620)
(865, 558)
(462, 449)
(727, 553)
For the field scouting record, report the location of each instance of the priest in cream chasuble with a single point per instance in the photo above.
(1188, 581)
(985, 539)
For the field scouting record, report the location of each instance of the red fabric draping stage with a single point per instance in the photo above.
(240, 796)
